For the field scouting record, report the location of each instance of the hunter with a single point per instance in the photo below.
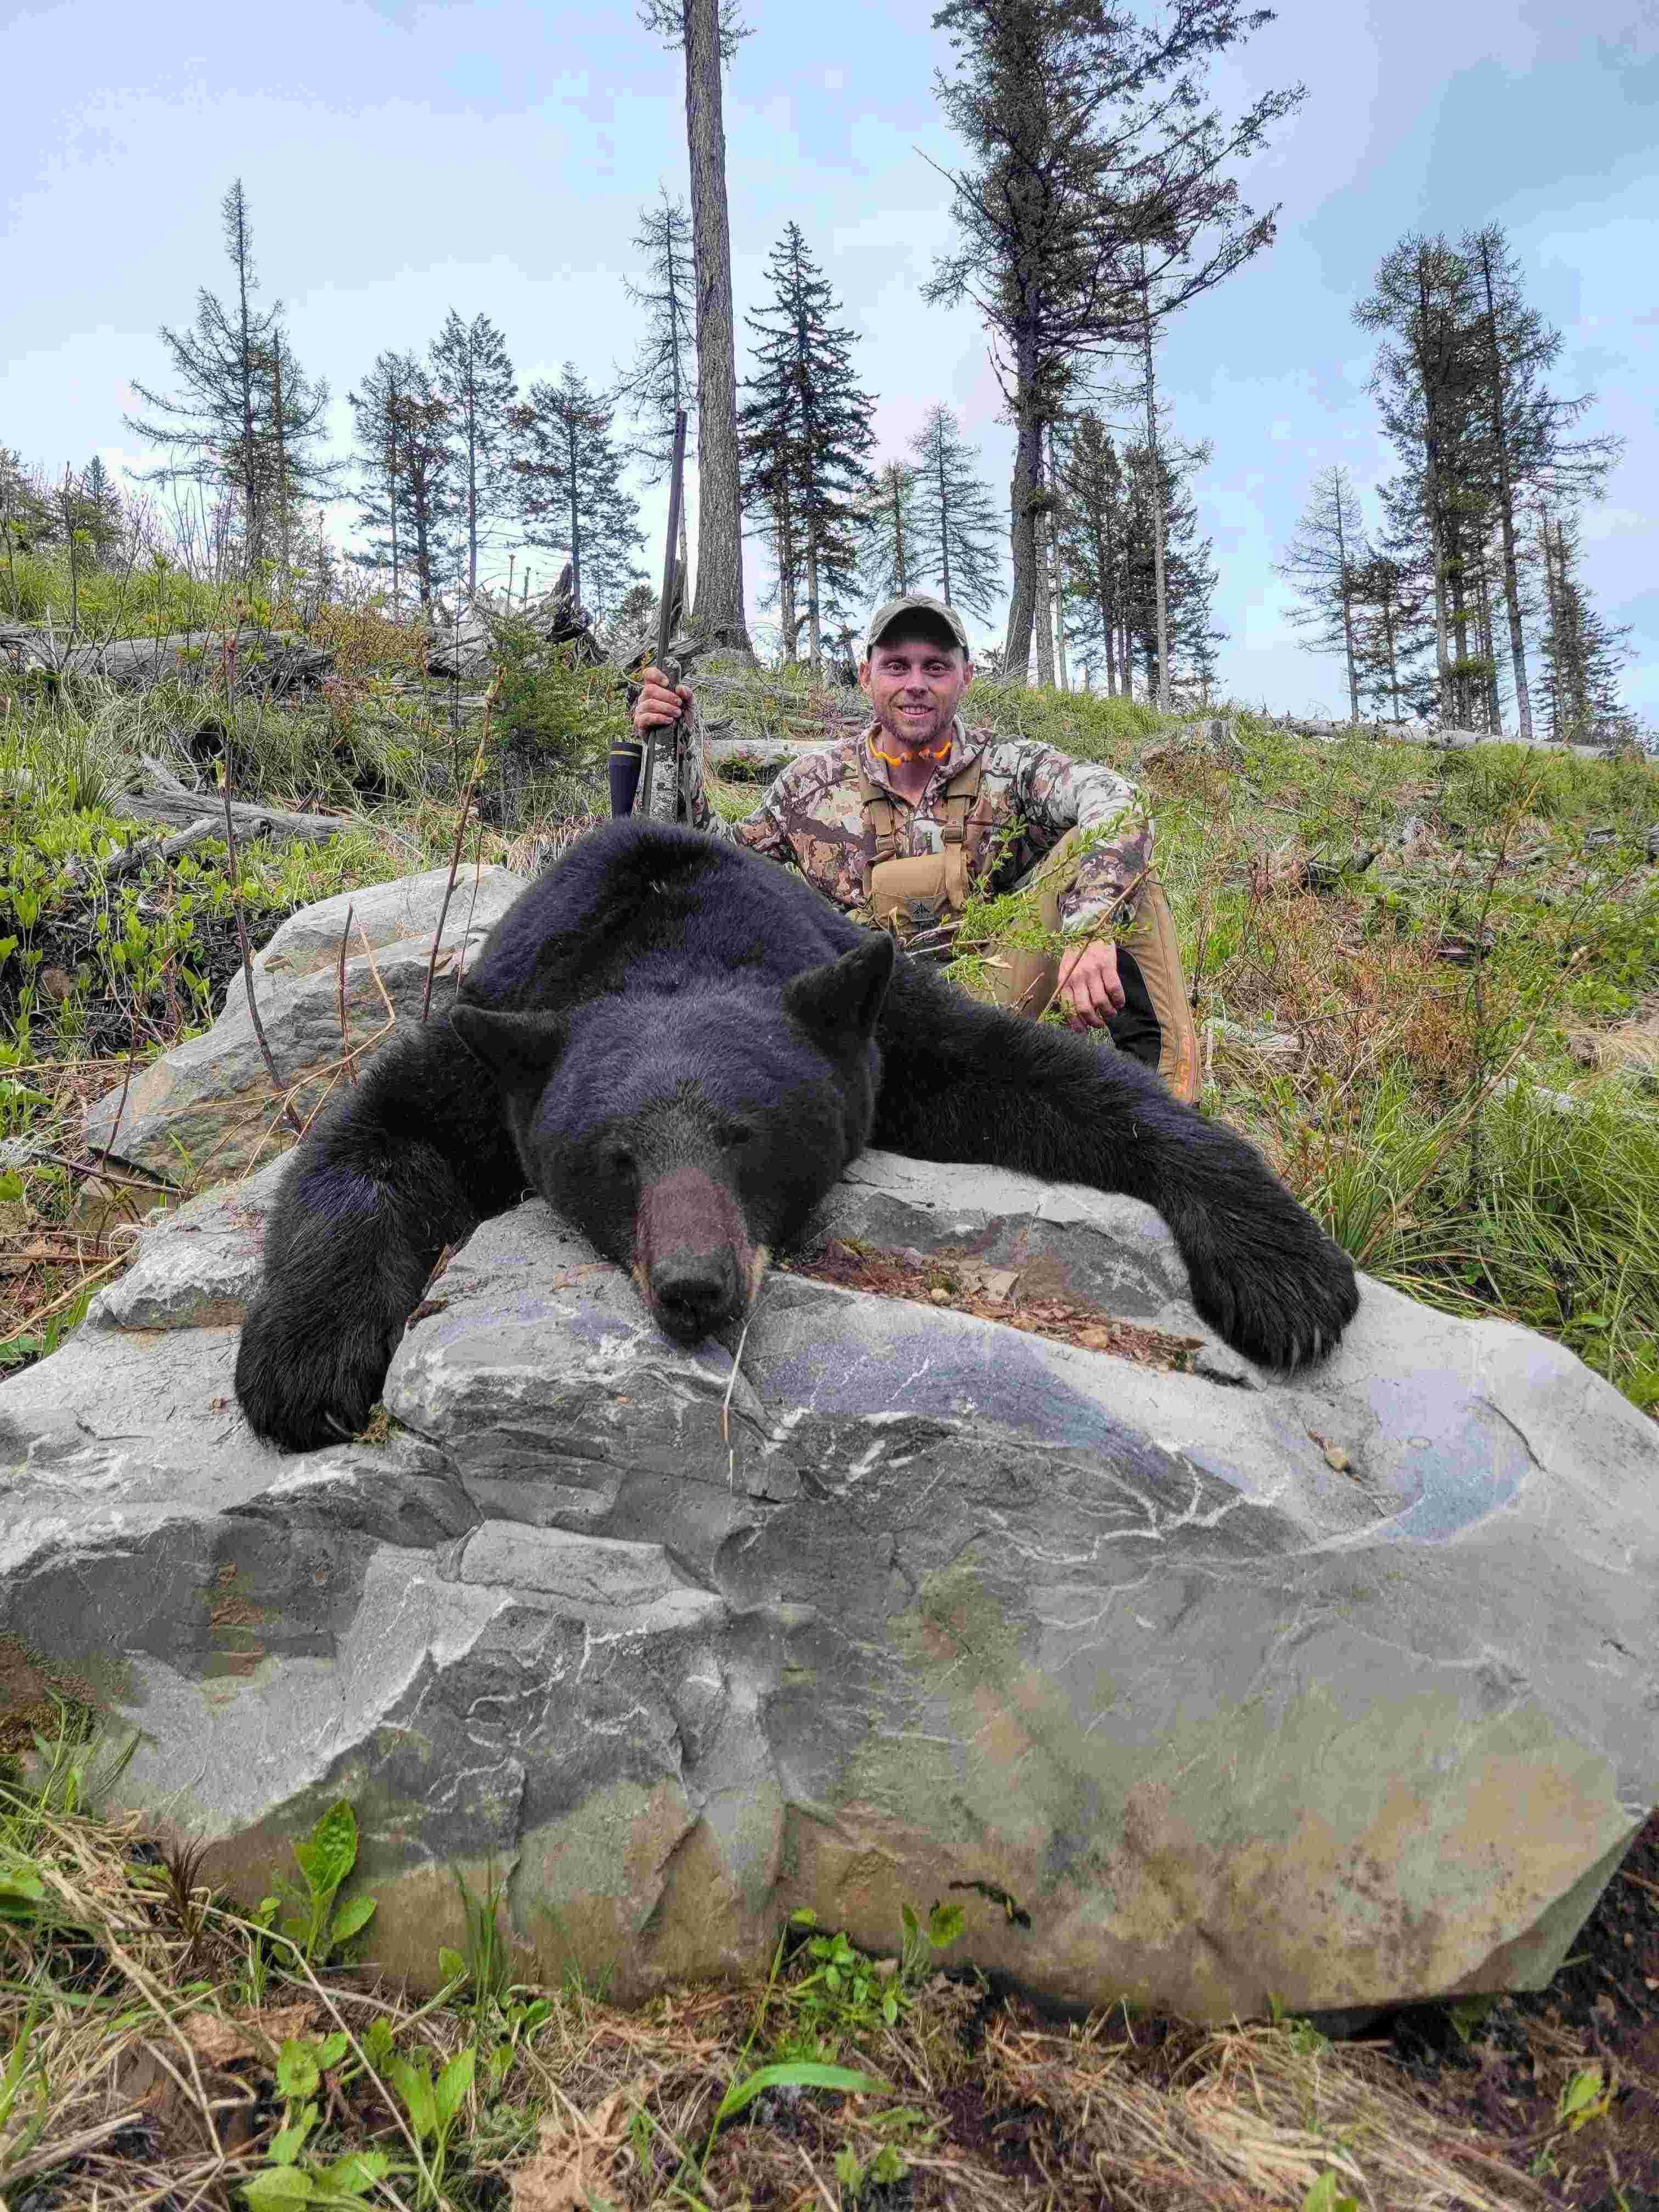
(899, 825)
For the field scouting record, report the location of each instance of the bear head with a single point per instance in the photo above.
(689, 1133)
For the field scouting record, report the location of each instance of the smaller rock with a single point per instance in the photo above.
(198, 1266)
(1554, 1102)
(1279, 1046)
(206, 1110)
(386, 914)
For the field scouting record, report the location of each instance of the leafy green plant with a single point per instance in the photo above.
(519, 2020)
(324, 1857)
(431, 2107)
(24, 2077)
(1306, 2040)
(21, 1889)
(1585, 2096)
(854, 2176)
(787, 2074)
(847, 1996)
(550, 711)
(1326, 2194)
(945, 1925)
(301, 2064)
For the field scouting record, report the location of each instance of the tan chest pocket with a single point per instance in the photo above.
(911, 895)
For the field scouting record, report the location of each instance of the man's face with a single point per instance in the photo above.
(916, 684)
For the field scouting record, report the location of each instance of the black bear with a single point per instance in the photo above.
(681, 1047)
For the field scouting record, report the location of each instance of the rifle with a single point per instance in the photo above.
(630, 763)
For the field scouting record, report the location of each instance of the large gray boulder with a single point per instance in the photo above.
(207, 1110)
(1194, 1687)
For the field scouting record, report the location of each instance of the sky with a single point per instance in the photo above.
(400, 160)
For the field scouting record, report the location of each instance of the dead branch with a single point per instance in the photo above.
(490, 697)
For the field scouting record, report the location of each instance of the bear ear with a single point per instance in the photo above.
(842, 1000)
(516, 1049)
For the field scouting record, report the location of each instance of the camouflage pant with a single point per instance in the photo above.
(1155, 1025)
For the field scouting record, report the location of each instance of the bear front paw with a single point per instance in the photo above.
(301, 1390)
(1283, 1300)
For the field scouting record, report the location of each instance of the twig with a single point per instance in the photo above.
(105, 1174)
(126, 1084)
(346, 1065)
(490, 697)
(478, 871)
(339, 987)
(726, 1402)
(76, 2145)
(288, 1113)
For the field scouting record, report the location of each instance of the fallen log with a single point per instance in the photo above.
(129, 862)
(169, 800)
(269, 663)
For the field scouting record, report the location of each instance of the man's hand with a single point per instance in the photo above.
(1090, 992)
(659, 702)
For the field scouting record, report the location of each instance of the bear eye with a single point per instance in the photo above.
(735, 1135)
(618, 1161)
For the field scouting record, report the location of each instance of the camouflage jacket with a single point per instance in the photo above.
(1029, 795)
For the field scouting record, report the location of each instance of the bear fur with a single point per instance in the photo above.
(681, 1047)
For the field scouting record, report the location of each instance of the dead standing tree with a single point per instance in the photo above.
(660, 386)
(708, 32)
(1324, 564)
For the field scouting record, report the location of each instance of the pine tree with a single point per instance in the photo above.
(1527, 424)
(1176, 624)
(294, 417)
(1110, 564)
(1389, 632)
(1428, 380)
(805, 428)
(1088, 138)
(887, 554)
(957, 528)
(405, 460)
(429, 466)
(1582, 652)
(571, 495)
(1321, 564)
(472, 375)
(1403, 543)
(24, 519)
(226, 419)
(1095, 531)
(663, 378)
(102, 511)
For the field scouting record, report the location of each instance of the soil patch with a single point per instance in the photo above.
(968, 1285)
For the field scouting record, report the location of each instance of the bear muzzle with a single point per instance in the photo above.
(695, 1265)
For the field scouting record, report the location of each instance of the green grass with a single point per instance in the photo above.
(1088, 727)
(37, 588)
(158, 2046)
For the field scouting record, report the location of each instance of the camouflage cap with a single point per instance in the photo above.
(914, 603)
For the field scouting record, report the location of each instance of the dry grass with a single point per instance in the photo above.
(141, 2027)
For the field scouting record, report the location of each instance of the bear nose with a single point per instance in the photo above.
(693, 1293)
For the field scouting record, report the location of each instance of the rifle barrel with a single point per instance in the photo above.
(675, 494)
(666, 605)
